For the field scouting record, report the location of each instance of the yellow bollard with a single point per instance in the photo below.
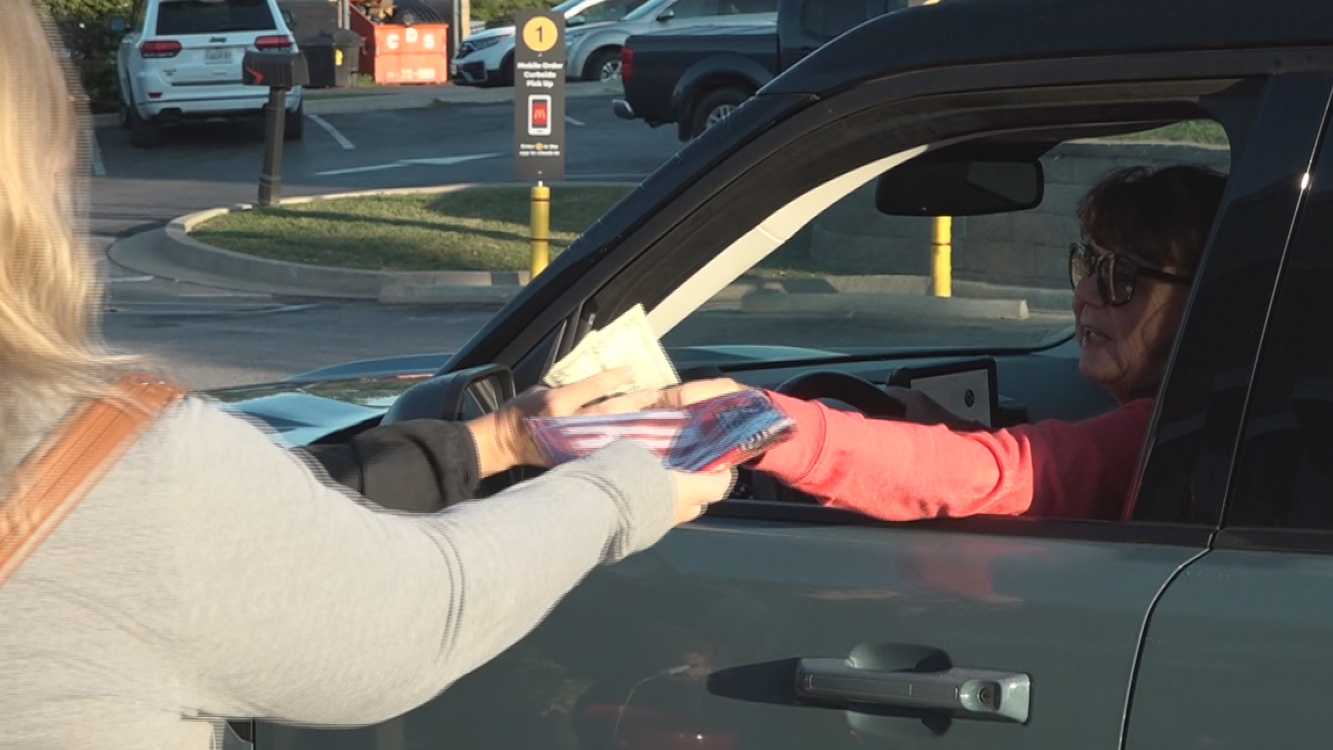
(541, 228)
(942, 257)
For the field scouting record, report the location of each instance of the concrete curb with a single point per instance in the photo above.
(171, 253)
(888, 305)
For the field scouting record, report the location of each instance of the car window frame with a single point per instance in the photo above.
(1308, 239)
(1067, 528)
(585, 298)
(1228, 308)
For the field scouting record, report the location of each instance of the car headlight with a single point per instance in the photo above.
(476, 45)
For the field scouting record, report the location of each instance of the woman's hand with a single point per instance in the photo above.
(695, 391)
(695, 491)
(502, 439)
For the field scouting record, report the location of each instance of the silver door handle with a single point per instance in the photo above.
(964, 693)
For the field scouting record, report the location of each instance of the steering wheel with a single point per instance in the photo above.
(849, 389)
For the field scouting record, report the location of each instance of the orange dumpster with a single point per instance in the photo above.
(395, 53)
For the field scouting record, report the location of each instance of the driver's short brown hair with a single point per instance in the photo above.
(1163, 215)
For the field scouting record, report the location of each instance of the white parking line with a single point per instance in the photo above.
(359, 170)
(443, 161)
(99, 169)
(333, 132)
(607, 176)
(572, 121)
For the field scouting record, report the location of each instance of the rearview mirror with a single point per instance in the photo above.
(666, 15)
(288, 19)
(578, 20)
(955, 185)
(118, 24)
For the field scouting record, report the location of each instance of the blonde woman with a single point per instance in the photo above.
(211, 574)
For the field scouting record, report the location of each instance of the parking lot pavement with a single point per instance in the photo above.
(397, 148)
(212, 337)
(211, 348)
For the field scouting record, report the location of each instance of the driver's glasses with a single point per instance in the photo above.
(1116, 274)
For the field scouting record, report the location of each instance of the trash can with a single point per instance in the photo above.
(319, 59)
(346, 56)
(332, 58)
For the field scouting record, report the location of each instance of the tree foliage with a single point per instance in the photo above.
(85, 27)
(501, 11)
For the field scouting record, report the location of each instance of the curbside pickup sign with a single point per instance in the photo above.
(539, 96)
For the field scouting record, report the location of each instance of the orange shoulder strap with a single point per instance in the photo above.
(54, 479)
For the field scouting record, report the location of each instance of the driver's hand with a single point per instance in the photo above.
(923, 409)
(502, 439)
(695, 391)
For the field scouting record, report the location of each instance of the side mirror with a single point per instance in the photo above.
(958, 185)
(455, 396)
(288, 19)
(666, 15)
(578, 20)
(118, 24)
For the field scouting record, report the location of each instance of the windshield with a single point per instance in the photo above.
(647, 10)
(857, 282)
(184, 17)
(570, 5)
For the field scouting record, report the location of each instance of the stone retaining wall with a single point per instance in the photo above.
(1028, 248)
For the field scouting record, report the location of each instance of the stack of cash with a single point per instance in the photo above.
(628, 341)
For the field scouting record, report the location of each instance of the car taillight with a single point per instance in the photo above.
(279, 41)
(626, 64)
(160, 48)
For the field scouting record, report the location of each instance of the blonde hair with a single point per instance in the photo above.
(50, 291)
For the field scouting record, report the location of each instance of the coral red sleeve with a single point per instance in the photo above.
(901, 471)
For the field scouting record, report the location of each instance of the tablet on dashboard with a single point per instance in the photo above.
(966, 388)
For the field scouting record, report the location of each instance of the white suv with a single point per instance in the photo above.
(181, 60)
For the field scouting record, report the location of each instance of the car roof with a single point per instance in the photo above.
(956, 32)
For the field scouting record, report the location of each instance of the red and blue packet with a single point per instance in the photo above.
(710, 435)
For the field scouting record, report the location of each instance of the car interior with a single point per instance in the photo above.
(761, 310)
(843, 347)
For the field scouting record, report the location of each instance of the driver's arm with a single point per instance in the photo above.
(424, 465)
(419, 466)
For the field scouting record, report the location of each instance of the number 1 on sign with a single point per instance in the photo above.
(539, 34)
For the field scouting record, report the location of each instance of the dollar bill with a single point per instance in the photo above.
(628, 341)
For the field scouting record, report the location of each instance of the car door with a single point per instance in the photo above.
(1237, 650)
(780, 625)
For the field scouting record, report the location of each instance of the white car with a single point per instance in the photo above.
(486, 58)
(181, 60)
(592, 52)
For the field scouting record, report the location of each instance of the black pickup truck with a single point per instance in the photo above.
(695, 77)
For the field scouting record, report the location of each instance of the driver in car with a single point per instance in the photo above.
(1144, 234)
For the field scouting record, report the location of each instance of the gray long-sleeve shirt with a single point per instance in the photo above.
(213, 574)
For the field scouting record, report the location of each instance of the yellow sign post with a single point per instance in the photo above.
(541, 228)
(941, 241)
(539, 118)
